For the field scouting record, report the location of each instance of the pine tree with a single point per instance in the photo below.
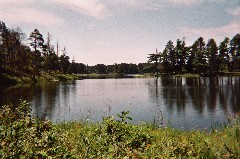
(181, 53)
(235, 52)
(199, 51)
(223, 57)
(64, 61)
(212, 54)
(37, 45)
(4, 34)
(154, 58)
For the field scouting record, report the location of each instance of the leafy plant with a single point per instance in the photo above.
(25, 137)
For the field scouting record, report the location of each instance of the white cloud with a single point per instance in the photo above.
(88, 7)
(234, 11)
(160, 4)
(184, 2)
(143, 4)
(15, 2)
(215, 32)
(31, 16)
(192, 2)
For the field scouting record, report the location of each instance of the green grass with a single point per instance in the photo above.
(22, 136)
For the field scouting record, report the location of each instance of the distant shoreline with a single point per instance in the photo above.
(13, 80)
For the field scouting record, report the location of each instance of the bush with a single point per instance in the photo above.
(25, 137)
(109, 139)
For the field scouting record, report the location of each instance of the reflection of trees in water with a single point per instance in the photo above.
(11, 95)
(174, 93)
(65, 96)
(45, 97)
(197, 88)
(229, 96)
(211, 95)
(235, 95)
(53, 98)
(199, 93)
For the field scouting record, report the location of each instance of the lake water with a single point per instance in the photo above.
(185, 103)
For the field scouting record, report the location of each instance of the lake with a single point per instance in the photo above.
(184, 103)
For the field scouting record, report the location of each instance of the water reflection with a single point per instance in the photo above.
(184, 102)
(200, 93)
(190, 102)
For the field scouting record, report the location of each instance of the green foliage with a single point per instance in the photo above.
(22, 136)
(25, 137)
(114, 138)
(110, 139)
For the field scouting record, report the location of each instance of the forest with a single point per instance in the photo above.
(200, 58)
(32, 56)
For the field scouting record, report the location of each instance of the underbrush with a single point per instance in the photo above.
(117, 139)
(23, 136)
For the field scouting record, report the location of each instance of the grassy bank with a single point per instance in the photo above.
(21, 79)
(23, 136)
(8, 79)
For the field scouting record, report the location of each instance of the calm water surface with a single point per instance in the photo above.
(185, 103)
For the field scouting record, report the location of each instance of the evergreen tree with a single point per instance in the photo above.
(165, 61)
(50, 62)
(199, 51)
(171, 57)
(235, 52)
(212, 54)
(64, 61)
(37, 45)
(223, 57)
(154, 58)
(181, 53)
(4, 34)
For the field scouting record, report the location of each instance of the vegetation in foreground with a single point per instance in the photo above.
(23, 136)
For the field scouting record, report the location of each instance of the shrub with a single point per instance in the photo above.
(25, 137)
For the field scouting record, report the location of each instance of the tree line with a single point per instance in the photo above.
(22, 56)
(201, 57)
(33, 55)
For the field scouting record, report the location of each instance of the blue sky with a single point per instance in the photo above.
(115, 31)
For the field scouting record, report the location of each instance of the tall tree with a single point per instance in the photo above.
(64, 61)
(165, 61)
(223, 57)
(235, 52)
(50, 62)
(212, 54)
(4, 35)
(171, 56)
(154, 58)
(16, 50)
(37, 44)
(199, 51)
(181, 53)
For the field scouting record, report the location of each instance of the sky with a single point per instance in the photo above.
(122, 31)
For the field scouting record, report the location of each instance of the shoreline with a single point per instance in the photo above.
(11, 80)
